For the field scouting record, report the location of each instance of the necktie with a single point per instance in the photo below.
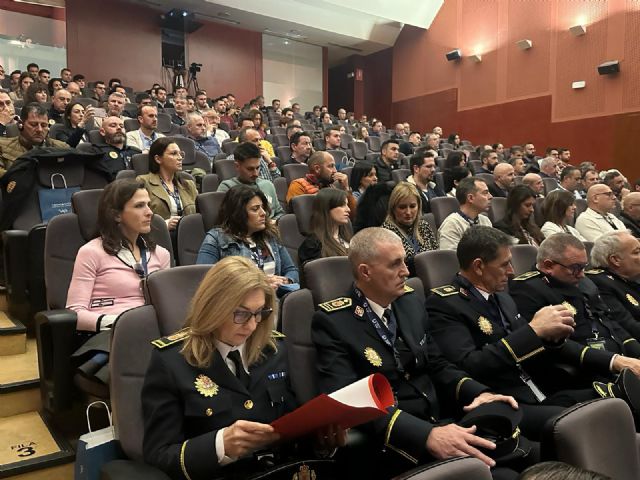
(494, 306)
(242, 375)
(392, 325)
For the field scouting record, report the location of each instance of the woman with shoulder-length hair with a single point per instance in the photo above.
(172, 196)
(330, 230)
(24, 82)
(404, 217)
(558, 209)
(518, 218)
(37, 92)
(363, 175)
(209, 396)
(247, 230)
(76, 117)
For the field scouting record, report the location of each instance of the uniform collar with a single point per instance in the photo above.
(224, 350)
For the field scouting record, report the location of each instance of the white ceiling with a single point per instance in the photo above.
(346, 27)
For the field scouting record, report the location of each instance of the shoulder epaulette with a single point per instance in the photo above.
(336, 304)
(277, 334)
(445, 290)
(594, 271)
(527, 275)
(408, 289)
(171, 339)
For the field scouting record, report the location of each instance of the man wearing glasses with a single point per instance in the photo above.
(7, 113)
(597, 219)
(559, 279)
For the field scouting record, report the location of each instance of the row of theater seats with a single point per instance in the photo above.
(608, 433)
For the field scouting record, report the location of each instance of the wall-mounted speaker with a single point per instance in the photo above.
(454, 55)
(609, 68)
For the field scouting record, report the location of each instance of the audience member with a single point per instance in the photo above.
(25, 81)
(74, 89)
(474, 198)
(558, 210)
(99, 91)
(33, 133)
(268, 168)
(597, 218)
(452, 177)
(423, 168)
(44, 76)
(518, 219)
(362, 134)
(379, 295)
(549, 168)
(387, 161)
(65, 76)
(54, 85)
(143, 138)
(179, 116)
(405, 219)
(363, 175)
(489, 159)
(616, 182)
(247, 160)
(61, 98)
(535, 183)
(615, 258)
(37, 92)
(570, 181)
(301, 148)
(630, 215)
(213, 123)
(503, 180)
(413, 142)
(455, 158)
(454, 141)
(330, 229)
(172, 196)
(116, 154)
(519, 167)
(197, 131)
(75, 120)
(589, 177)
(248, 230)
(7, 113)
(161, 98)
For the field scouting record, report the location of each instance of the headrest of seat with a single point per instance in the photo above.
(85, 205)
(301, 206)
(187, 145)
(63, 170)
(182, 282)
(208, 204)
(328, 278)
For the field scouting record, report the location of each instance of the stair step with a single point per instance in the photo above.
(58, 472)
(19, 382)
(27, 445)
(13, 336)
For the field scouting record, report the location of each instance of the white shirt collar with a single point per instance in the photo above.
(377, 308)
(224, 350)
(484, 294)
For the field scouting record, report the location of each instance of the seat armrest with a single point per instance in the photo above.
(126, 469)
(16, 248)
(56, 336)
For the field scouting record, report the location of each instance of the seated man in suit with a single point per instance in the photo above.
(503, 180)
(616, 260)
(630, 214)
(559, 279)
(147, 133)
(381, 327)
(477, 327)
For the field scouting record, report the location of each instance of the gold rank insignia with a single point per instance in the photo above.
(632, 300)
(304, 473)
(373, 357)
(205, 386)
(52, 121)
(277, 334)
(570, 307)
(445, 291)
(485, 325)
(527, 275)
(171, 339)
(113, 154)
(359, 311)
(336, 304)
(407, 288)
(593, 271)
(11, 185)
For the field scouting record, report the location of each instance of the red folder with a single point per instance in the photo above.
(355, 404)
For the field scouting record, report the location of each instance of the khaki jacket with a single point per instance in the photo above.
(160, 198)
(12, 148)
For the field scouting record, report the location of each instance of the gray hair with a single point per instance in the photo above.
(193, 116)
(606, 245)
(553, 247)
(547, 161)
(365, 245)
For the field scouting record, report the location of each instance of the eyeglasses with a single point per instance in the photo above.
(6, 103)
(608, 194)
(179, 153)
(575, 268)
(241, 317)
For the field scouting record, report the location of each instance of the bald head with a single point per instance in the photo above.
(631, 205)
(503, 175)
(600, 198)
(534, 182)
(61, 99)
(74, 89)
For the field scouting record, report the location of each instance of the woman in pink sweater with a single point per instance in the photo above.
(108, 270)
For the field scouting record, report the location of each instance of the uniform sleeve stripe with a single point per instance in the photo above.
(628, 340)
(390, 425)
(403, 453)
(459, 386)
(524, 357)
(582, 354)
(182, 465)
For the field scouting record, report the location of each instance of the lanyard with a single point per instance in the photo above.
(175, 195)
(381, 330)
(472, 221)
(143, 260)
(610, 222)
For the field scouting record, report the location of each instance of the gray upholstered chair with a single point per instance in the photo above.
(523, 258)
(441, 207)
(436, 268)
(458, 468)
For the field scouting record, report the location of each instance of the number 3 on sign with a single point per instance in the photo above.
(25, 449)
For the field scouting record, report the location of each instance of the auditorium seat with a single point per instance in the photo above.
(374, 143)
(131, 124)
(439, 179)
(294, 170)
(400, 175)
(301, 208)
(497, 209)
(164, 123)
(193, 228)
(550, 184)
(130, 354)
(359, 150)
(56, 326)
(458, 468)
(283, 152)
(319, 144)
(229, 146)
(225, 169)
(485, 177)
(281, 187)
(281, 140)
(346, 140)
(441, 207)
(290, 235)
(340, 157)
(192, 158)
(210, 182)
(523, 258)
(436, 268)
(94, 137)
(598, 435)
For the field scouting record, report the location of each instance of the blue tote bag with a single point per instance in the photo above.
(54, 201)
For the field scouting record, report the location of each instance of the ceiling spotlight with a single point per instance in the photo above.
(454, 55)
(578, 30)
(476, 58)
(524, 44)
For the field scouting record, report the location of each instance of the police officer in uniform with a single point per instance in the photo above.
(559, 279)
(212, 389)
(381, 327)
(616, 260)
(477, 327)
(116, 154)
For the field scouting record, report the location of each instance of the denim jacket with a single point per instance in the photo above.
(218, 245)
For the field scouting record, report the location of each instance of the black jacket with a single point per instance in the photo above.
(632, 226)
(621, 296)
(112, 160)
